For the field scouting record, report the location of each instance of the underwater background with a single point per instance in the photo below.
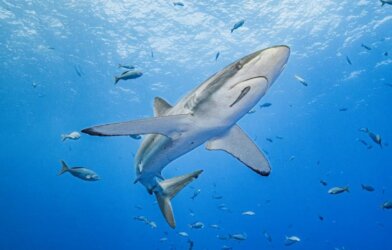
(58, 62)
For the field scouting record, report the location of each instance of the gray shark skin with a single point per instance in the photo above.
(207, 115)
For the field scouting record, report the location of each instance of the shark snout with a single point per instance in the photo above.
(282, 54)
(273, 60)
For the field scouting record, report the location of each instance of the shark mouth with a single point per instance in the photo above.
(246, 89)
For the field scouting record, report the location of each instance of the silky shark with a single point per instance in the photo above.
(207, 115)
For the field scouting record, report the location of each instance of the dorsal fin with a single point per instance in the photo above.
(160, 106)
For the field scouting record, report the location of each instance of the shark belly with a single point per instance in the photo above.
(158, 151)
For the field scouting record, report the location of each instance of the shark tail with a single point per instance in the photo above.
(382, 3)
(116, 79)
(64, 168)
(64, 137)
(168, 189)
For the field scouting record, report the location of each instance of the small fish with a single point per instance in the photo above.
(215, 226)
(78, 70)
(338, 190)
(249, 213)
(140, 218)
(152, 224)
(34, 84)
(217, 197)
(80, 172)
(252, 111)
(301, 80)
(324, 182)
(191, 243)
(291, 158)
(375, 137)
(73, 136)
(267, 236)
(239, 236)
(183, 234)
(343, 109)
(291, 240)
(387, 205)
(321, 217)
(265, 105)
(237, 25)
(383, 2)
(365, 46)
(126, 66)
(269, 139)
(223, 207)
(348, 60)
(129, 74)
(222, 237)
(197, 225)
(217, 56)
(367, 188)
(178, 4)
(136, 137)
(196, 193)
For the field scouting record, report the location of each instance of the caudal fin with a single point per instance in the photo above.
(64, 137)
(168, 189)
(116, 79)
(64, 168)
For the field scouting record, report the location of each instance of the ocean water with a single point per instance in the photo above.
(58, 60)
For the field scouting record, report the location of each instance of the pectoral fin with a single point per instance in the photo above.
(239, 145)
(165, 125)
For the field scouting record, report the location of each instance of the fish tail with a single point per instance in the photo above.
(347, 189)
(168, 189)
(116, 79)
(363, 187)
(231, 31)
(64, 168)
(64, 137)
(382, 3)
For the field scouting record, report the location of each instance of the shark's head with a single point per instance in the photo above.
(239, 86)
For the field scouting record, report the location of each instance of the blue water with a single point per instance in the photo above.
(58, 59)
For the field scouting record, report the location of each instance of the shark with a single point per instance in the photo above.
(207, 115)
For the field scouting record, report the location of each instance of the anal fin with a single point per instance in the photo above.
(239, 145)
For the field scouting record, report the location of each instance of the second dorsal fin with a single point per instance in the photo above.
(161, 106)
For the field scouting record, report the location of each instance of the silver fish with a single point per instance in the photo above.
(338, 190)
(80, 172)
